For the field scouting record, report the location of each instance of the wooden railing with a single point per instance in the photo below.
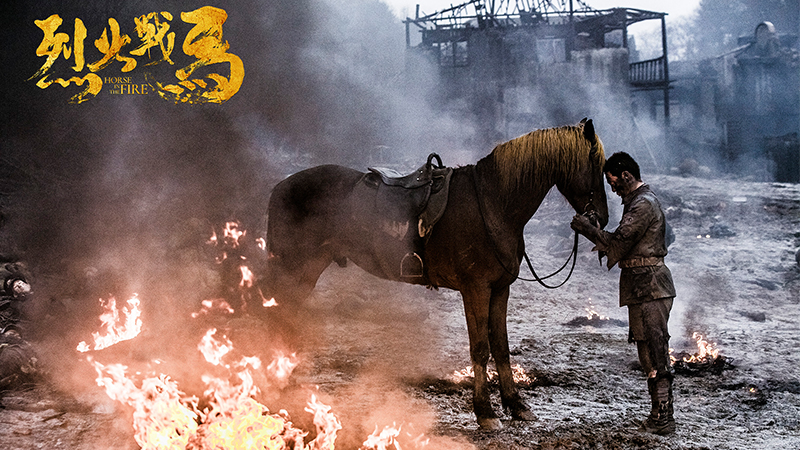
(647, 73)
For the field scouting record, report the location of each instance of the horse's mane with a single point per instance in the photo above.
(534, 159)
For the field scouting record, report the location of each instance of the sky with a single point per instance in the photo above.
(675, 8)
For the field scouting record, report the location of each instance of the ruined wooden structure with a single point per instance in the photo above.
(504, 63)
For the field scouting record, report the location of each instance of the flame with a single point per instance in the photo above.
(116, 327)
(216, 304)
(706, 352)
(166, 418)
(212, 349)
(282, 366)
(327, 425)
(389, 437)
(162, 418)
(247, 277)
(382, 440)
(231, 233)
(591, 313)
(517, 372)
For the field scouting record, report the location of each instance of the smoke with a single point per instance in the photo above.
(121, 194)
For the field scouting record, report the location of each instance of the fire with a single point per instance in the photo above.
(389, 437)
(706, 351)
(162, 417)
(216, 304)
(247, 277)
(213, 349)
(166, 418)
(119, 325)
(232, 233)
(282, 366)
(517, 372)
(326, 423)
(382, 440)
(591, 313)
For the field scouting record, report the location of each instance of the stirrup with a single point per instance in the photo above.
(411, 266)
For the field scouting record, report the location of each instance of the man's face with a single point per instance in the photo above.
(618, 184)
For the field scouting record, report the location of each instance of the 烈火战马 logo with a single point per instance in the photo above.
(147, 61)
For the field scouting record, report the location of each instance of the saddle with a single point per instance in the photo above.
(399, 212)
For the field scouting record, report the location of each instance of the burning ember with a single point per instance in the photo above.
(235, 255)
(216, 305)
(707, 358)
(119, 325)
(467, 374)
(389, 437)
(594, 319)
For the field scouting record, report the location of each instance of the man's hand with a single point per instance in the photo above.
(584, 226)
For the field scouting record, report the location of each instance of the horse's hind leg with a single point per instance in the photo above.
(476, 310)
(498, 339)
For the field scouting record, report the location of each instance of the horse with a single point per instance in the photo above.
(475, 248)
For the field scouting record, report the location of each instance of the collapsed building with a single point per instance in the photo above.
(744, 106)
(507, 67)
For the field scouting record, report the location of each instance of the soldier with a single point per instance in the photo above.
(638, 246)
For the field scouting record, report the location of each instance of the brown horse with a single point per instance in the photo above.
(475, 248)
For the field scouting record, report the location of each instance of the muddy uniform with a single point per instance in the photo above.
(638, 246)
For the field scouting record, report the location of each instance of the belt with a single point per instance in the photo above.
(641, 262)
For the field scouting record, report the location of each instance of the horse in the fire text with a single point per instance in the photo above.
(475, 248)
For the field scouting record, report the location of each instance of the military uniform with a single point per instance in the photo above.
(638, 246)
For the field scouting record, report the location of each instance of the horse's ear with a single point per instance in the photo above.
(588, 130)
(583, 121)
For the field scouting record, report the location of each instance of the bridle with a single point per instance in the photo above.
(588, 211)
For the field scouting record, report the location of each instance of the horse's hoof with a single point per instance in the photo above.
(491, 424)
(524, 414)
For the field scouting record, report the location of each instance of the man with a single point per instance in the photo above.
(645, 285)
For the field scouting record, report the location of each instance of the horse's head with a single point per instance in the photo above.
(585, 189)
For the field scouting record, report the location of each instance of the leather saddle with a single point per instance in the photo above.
(399, 212)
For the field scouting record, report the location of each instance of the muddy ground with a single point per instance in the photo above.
(382, 353)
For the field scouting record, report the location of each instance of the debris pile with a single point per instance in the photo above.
(17, 358)
(707, 359)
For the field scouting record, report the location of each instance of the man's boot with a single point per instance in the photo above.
(660, 421)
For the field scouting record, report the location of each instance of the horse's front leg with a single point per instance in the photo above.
(498, 339)
(476, 310)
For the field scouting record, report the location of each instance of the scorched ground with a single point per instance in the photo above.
(382, 353)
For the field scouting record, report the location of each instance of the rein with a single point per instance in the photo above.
(573, 254)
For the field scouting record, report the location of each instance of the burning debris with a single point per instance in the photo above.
(466, 376)
(388, 438)
(238, 255)
(228, 413)
(594, 319)
(227, 416)
(706, 360)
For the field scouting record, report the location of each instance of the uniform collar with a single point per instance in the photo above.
(635, 193)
